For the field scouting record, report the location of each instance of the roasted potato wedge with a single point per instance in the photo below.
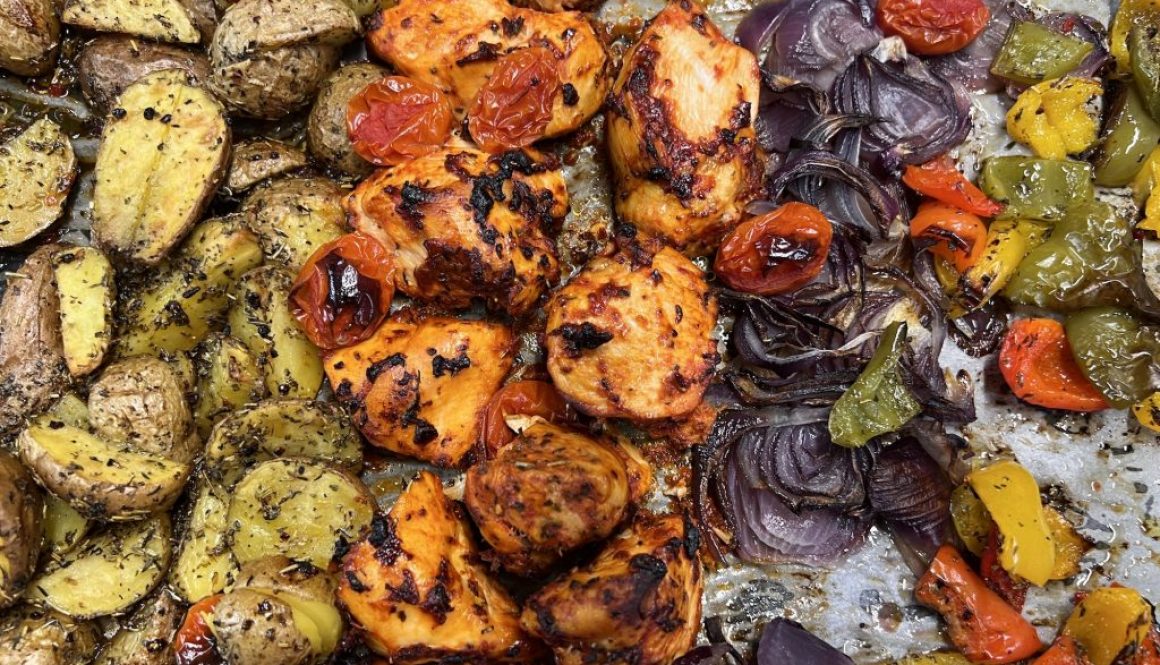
(70, 410)
(98, 478)
(64, 527)
(260, 318)
(204, 564)
(256, 160)
(85, 289)
(188, 297)
(141, 401)
(147, 637)
(299, 509)
(33, 371)
(418, 590)
(111, 63)
(270, 56)
(37, 169)
(302, 429)
(420, 385)
(295, 216)
(280, 575)
(164, 151)
(229, 378)
(29, 36)
(109, 572)
(158, 20)
(326, 135)
(31, 635)
(21, 527)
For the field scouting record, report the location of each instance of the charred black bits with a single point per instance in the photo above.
(512, 28)
(411, 198)
(648, 566)
(485, 52)
(582, 337)
(356, 584)
(571, 97)
(452, 366)
(377, 368)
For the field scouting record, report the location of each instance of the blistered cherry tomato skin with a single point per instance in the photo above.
(344, 291)
(397, 119)
(951, 234)
(194, 644)
(933, 27)
(525, 398)
(513, 108)
(775, 253)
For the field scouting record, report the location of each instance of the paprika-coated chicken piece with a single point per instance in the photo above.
(455, 44)
(463, 224)
(420, 385)
(630, 336)
(638, 602)
(416, 590)
(550, 491)
(680, 130)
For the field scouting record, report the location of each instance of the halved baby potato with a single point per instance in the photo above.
(159, 20)
(99, 478)
(64, 527)
(84, 282)
(109, 572)
(303, 429)
(21, 528)
(293, 217)
(229, 378)
(204, 564)
(164, 151)
(37, 169)
(298, 509)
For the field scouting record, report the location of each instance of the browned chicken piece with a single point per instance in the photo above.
(638, 602)
(463, 224)
(680, 130)
(420, 385)
(550, 491)
(630, 336)
(415, 588)
(559, 5)
(455, 44)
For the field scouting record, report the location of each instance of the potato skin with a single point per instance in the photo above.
(255, 160)
(141, 401)
(33, 371)
(253, 628)
(29, 36)
(326, 134)
(147, 637)
(31, 635)
(109, 64)
(21, 508)
(292, 578)
(295, 216)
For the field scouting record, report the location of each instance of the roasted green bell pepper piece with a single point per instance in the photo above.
(1116, 352)
(878, 402)
(1144, 46)
(1034, 188)
(1032, 53)
(1130, 134)
(1090, 259)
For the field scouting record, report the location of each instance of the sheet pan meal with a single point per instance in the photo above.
(641, 297)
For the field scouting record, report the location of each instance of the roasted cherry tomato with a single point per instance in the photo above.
(344, 291)
(514, 107)
(933, 27)
(526, 398)
(397, 119)
(777, 252)
(1037, 363)
(194, 643)
(950, 233)
(941, 181)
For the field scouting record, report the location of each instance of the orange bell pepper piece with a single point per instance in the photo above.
(940, 180)
(1063, 652)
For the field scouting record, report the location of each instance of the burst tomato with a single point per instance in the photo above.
(933, 27)
(514, 107)
(397, 119)
(775, 253)
(194, 644)
(344, 291)
(523, 398)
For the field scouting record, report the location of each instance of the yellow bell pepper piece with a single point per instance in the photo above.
(1011, 496)
(1147, 411)
(1146, 192)
(1131, 12)
(935, 658)
(1107, 621)
(1057, 118)
(1069, 545)
(971, 519)
(1008, 241)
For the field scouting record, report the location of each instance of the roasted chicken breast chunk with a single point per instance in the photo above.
(421, 384)
(630, 336)
(638, 602)
(455, 44)
(415, 587)
(550, 491)
(680, 130)
(463, 224)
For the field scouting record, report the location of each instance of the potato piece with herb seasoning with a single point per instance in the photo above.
(86, 291)
(29, 36)
(158, 20)
(255, 160)
(141, 402)
(31, 635)
(164, 151)
(326, 135)
(229, 379)
(37, 169)
(204, 564)
(64, 527)
(21, 528)
(293, 217)
(147, 637)
(111, 63)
